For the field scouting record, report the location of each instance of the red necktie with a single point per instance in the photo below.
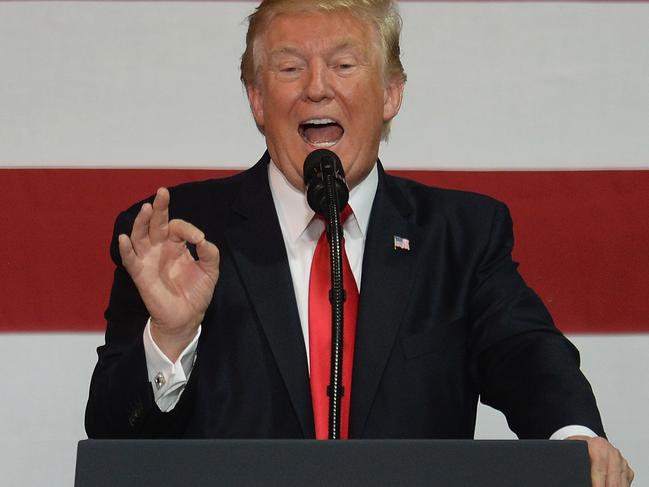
(320, 334)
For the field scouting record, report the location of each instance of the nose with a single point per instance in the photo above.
(318, 83)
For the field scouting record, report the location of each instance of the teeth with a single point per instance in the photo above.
(323, 145)
(319, 121)
(312, 124)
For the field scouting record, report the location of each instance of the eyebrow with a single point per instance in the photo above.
(295, 51)
(286, 50)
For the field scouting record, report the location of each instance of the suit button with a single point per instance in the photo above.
(136, 414)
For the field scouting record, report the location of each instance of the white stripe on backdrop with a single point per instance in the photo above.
(492, 85)
(119, 84)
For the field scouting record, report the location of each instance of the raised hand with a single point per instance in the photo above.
(175, 288)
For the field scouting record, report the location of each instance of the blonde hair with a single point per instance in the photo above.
(383, 14)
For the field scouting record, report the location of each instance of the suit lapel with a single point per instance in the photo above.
(257, 246)
(388, 274)
(258, 251)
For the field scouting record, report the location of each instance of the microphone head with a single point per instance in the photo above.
(318, 165)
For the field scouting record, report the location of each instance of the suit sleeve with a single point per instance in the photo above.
(522, 363)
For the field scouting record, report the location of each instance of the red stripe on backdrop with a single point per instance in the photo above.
(582, 238)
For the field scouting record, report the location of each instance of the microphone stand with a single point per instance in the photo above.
(337, 297)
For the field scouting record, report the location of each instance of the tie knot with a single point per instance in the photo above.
(344, 215)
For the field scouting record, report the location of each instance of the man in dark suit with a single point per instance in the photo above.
(214, 344)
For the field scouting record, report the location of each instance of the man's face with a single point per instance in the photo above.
(320, 85)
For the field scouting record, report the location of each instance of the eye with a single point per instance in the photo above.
(289, 71)
(346, 66)
(286, 64)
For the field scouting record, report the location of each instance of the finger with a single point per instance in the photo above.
(598, 452)
(613, 474)
(616, 476)
(630, 474)
(598, 473)
(140, 230)
(208, 258)
(129, 257)
(182, 231)
(159, 225)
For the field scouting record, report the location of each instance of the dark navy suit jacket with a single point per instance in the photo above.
(438, 326)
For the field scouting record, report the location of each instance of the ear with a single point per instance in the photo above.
(256, 100)
(392, 97)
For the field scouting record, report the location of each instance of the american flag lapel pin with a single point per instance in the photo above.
(401, 243)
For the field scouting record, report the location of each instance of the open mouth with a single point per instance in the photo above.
(321, 132)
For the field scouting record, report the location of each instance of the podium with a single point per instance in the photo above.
(311, 463)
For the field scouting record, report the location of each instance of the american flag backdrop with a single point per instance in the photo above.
(544, 105)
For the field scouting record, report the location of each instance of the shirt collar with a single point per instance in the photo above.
(293, 209)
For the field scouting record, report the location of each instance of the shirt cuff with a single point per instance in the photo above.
(572, 430)
(168, 378)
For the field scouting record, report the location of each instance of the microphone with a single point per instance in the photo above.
(319, 166)
(327, 193)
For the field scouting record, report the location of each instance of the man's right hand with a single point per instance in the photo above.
(175, 288)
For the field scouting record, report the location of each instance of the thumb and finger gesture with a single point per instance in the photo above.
(175, 288)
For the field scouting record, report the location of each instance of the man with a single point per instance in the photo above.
(220, 346)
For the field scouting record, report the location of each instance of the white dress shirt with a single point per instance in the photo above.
(301, 233)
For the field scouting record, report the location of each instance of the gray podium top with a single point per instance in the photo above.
(448, 463)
